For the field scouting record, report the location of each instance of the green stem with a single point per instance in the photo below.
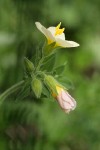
(11, 90)
(40, 63)
(41, 73)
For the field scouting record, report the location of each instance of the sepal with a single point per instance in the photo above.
(51, 83)
(36, 85)
(29, 66)
(48, 49)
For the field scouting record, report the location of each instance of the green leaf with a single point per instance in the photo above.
(48, 63)
(48, 58)
(37, 55)
(60, 69)
(67, 83)
(46, 92)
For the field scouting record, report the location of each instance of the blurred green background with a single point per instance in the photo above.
(29, 125)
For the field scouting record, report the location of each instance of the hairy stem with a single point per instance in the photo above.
(40, 63)
(11, 90)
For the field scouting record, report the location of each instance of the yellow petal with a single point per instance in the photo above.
(58, 26)
(58, 30)
(58, 88)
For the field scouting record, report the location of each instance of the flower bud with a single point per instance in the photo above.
(28, 65)
(51, 83)
(36, 85)
(66, 102)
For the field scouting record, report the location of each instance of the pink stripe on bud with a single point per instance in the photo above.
(66, 102)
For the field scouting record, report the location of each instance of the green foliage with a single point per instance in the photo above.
(60, 69)
(48, 50)
(48, 63)
(26, 123)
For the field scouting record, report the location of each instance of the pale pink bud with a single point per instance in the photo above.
(66, 102)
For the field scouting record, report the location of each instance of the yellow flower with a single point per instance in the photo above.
(55, 34)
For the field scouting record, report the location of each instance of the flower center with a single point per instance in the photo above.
(59, 31)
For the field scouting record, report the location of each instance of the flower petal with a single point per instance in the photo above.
(66, 102)
(48, 34)
(59, 98)
(61, 36)
(45, 31)
(39, 26)
(53, 30)
(67, 98)
(65, 43)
